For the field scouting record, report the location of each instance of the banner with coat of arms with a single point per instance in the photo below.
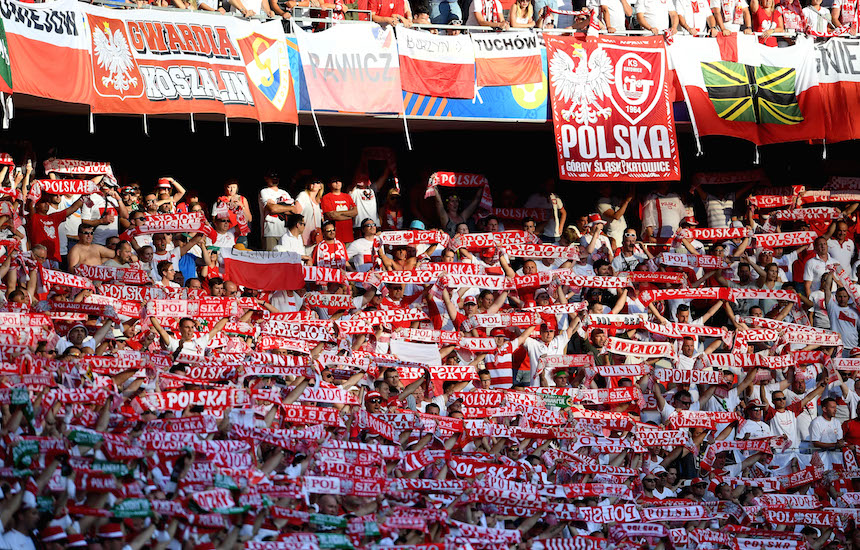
(150, 62)
(610, 108)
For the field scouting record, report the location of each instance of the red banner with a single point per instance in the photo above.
(610, 108)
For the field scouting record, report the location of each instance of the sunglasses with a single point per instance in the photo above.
(779, 398)
(686, 402)
(376, 400)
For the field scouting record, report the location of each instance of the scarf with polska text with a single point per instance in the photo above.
(443, 337)
(494, 320)
(188, 222)
(692, 261)
(541, 251)
(329, 302)
(621, 346)
(410, 237)
(779, 240)
(99, 310)
(104, 273)
(463, 181)
(712, 233)
(702, 293)
(812, 215)
(61, 187)
(763, 445)
(703, 419)
(477, 241)
(80, 167)
(52, 278)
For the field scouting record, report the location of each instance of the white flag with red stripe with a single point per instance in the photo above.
(507, 59)
(264, 270)
(434, 65)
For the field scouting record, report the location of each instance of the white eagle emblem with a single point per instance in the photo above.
(582, 83)
(114, 56)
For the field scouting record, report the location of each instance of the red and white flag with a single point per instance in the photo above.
(436, 65)
(508, 59)
(371, 84)
(264, 270)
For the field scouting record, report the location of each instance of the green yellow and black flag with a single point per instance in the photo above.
(752, 94)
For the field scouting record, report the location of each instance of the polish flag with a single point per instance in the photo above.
(507, 59)
(436, 66)
(263, 270)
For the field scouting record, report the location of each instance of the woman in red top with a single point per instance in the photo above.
(766, 20)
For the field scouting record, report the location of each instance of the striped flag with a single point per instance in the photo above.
(436, 66)
(507, 59)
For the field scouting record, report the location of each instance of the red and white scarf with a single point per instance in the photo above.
(793, 238)
(692, 261)
(188, 222)
(464, 181)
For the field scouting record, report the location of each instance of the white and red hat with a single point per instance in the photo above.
(594, 219)
(470, 300)
(690, 217)
(53, 533)
(76, 541)
(111, 531)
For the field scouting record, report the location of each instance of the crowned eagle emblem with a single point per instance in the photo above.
(114, 56)
(580, 80)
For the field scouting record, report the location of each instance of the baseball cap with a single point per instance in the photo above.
(110, 531)
(416, 224)
(76, 541)
(560, 372)
(498, 332)
(470, 300)
(754, 403)
(541, 291)
(371, 394)
(595, 219)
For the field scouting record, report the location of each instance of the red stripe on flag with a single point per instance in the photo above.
(728, 47)
(431, 78)
(509, 71)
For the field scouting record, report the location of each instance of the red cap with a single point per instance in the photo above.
(754, 403)
(53, 533)
(470, 300)
(498, 332)
(371, 394)
(76, 541)
(595, 219)
(550, 324)
(111, 531)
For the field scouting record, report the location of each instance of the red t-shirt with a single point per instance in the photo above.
(339, 203)
(45, 230)
(387, 8)
(851, 432)
(762, 21)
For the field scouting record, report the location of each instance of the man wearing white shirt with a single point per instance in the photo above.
(816, 266)
(362, 252)
(614, 14)
(825, 433)
(843, 318)
(662, 212)
(840, 247)
(547, 344)
(187, 345)
(292, 240)
(657, 15)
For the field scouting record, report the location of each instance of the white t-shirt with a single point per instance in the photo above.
(365, 202)
(172, 255)
(536, 348)
(785, 423)
(360, 253)
(289, 243)
(815, 269)
(817, 20)
(492, 10)
(272, 225)
(196, 346)
(617, 21)
(602, 250)
(663, 212)
(70, 226)
(733, 13)
(99, 208)
(844, 321)
(848, 10)
(18, 541)
(312, 212)
(615, 228)
(842, 253)
(825, 431)
(224, 240)
(627, 263)
(656, 13)
(539, 201)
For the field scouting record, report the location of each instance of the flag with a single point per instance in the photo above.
(507, 59)
(610, 108)
(434, 65)
(263, 270)
(839, 82)
(352, 68)
(735, 86)
(48, 50)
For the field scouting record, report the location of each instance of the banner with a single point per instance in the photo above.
(735, 86)
(192, 63)
(432, 64)
(611, 110)
(352, 68)
(505, 60)
(839, 83)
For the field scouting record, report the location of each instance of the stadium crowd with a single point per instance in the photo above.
(491, 376)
